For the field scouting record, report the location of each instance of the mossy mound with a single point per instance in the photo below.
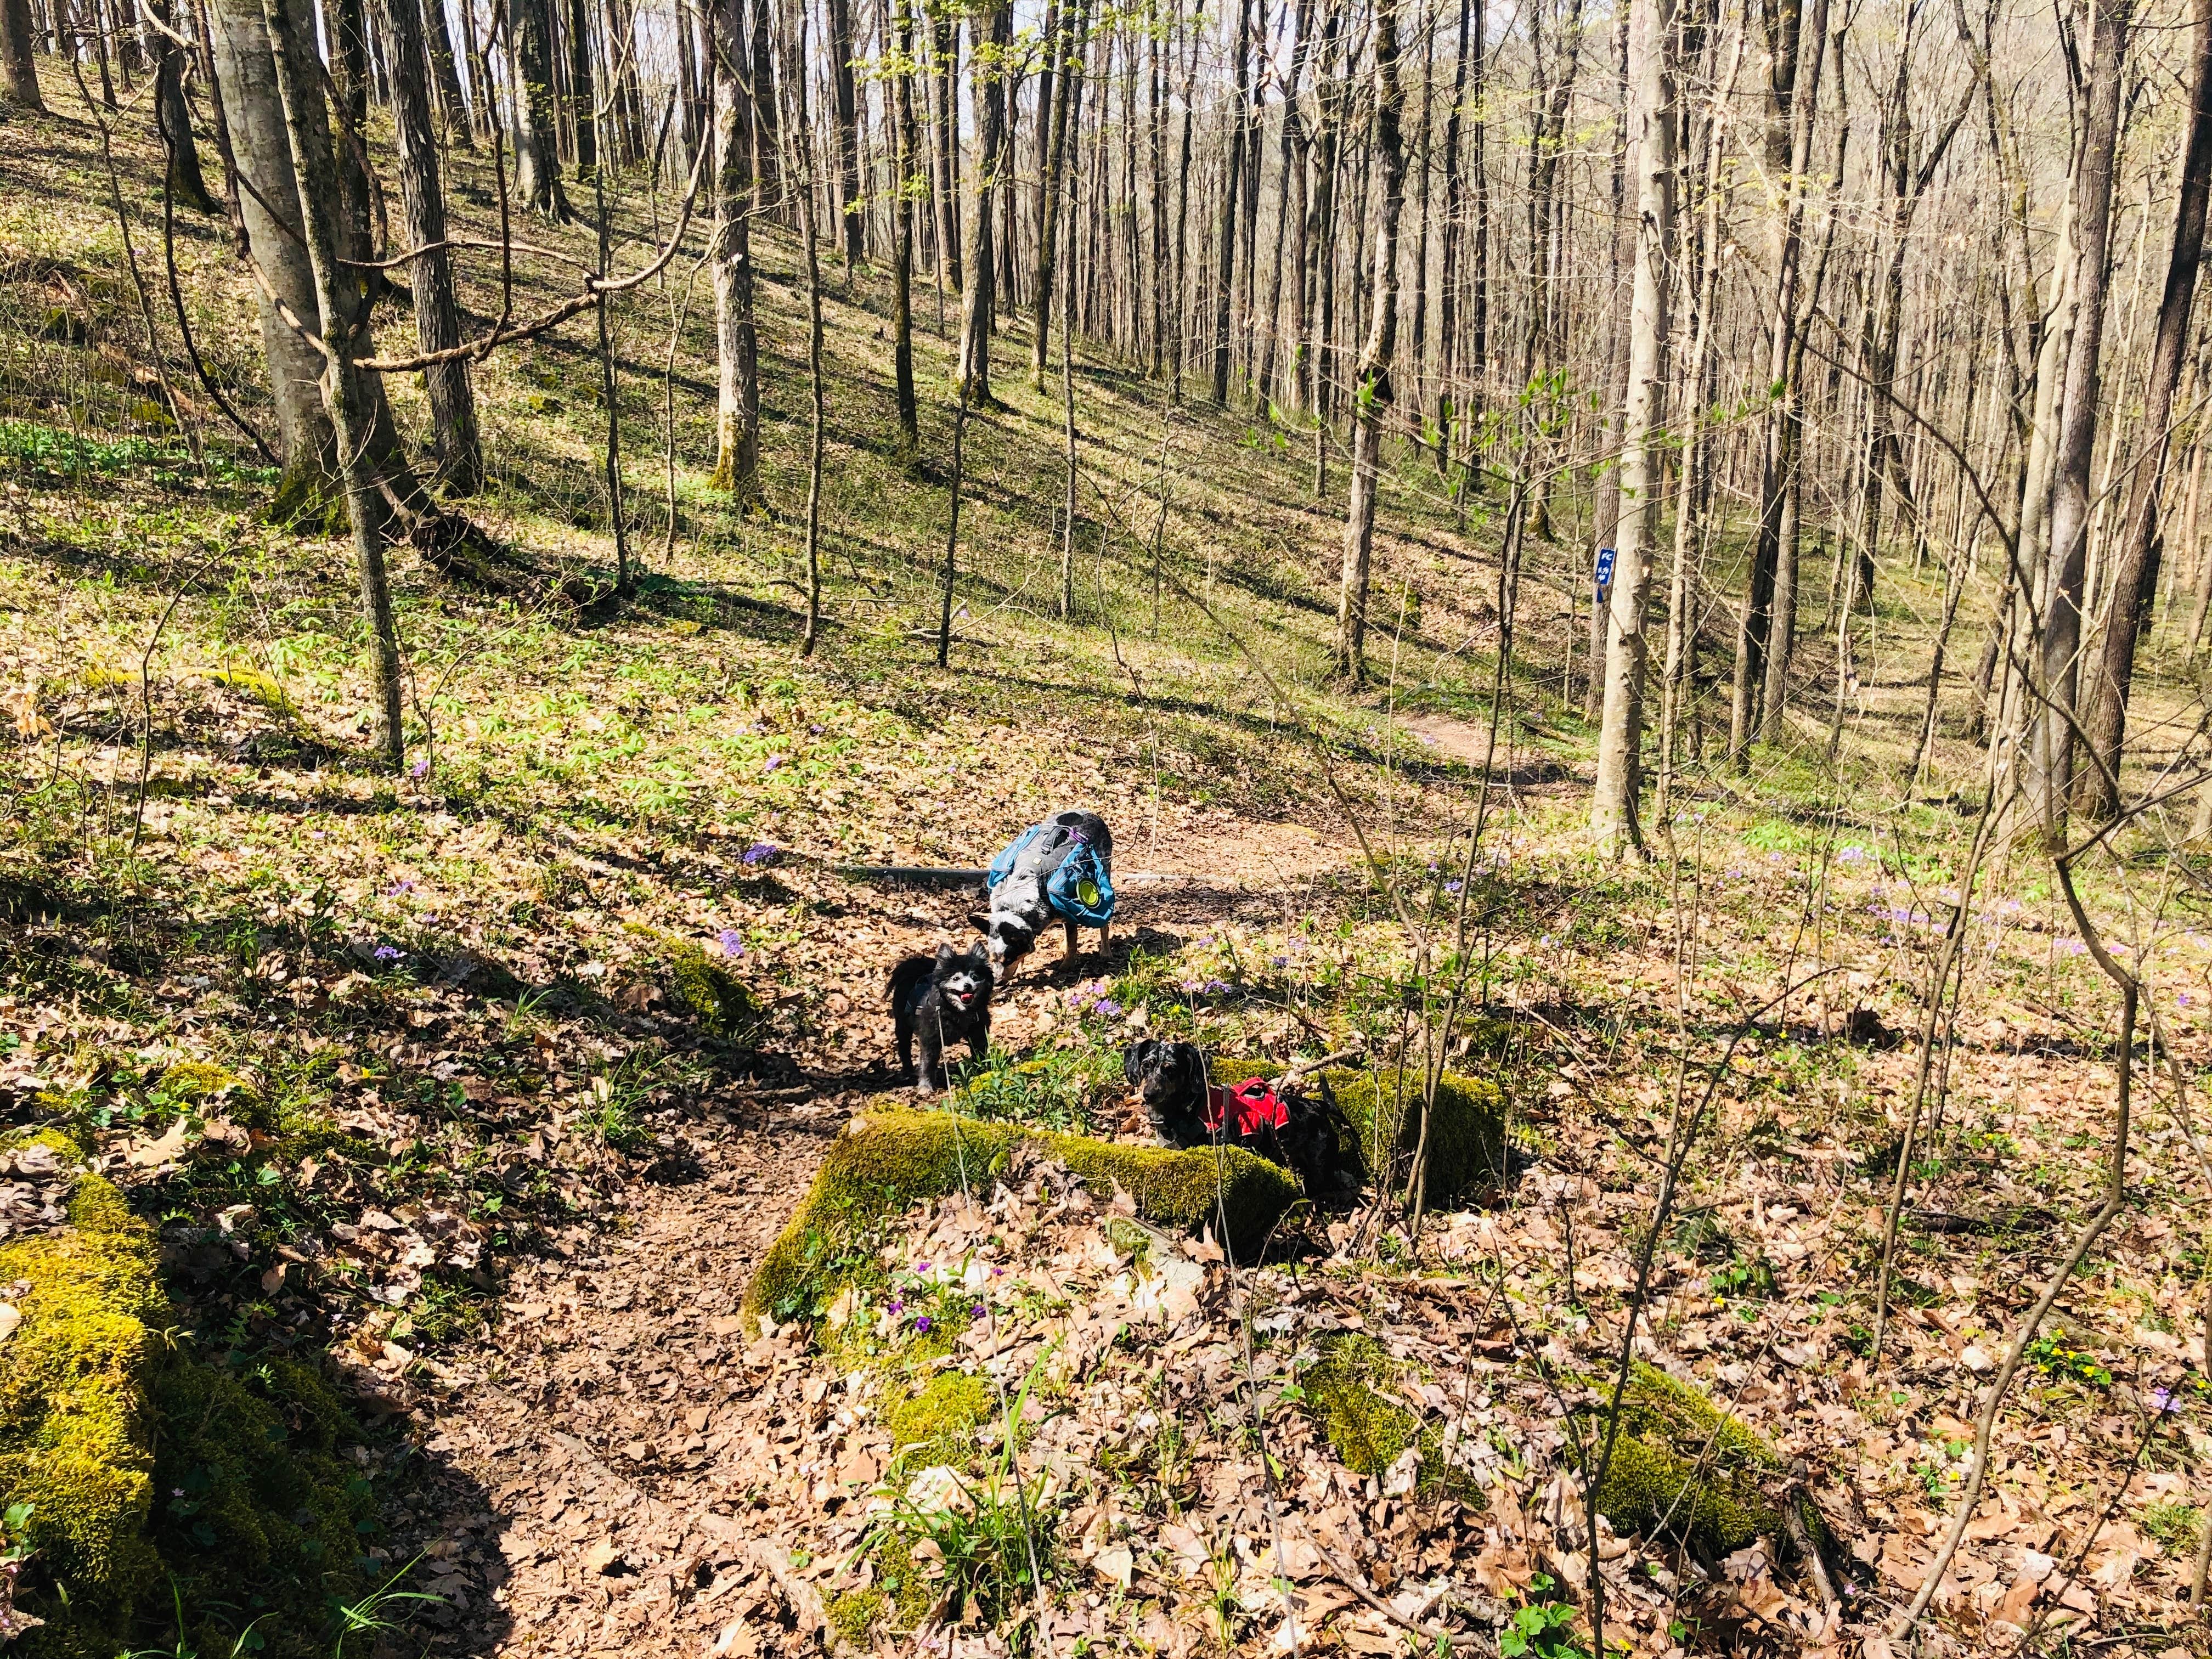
(75, 1438)
(1467, 1143)
(1366, 1428)
(889, 1160)
(1683, 1466)
(722, 1004)
(255, 1509)
(195, 1083)
(1467, 1136)
(140, 1464)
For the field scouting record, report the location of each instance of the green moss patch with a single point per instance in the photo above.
(1683, 1466)
(254, 1508)
(76, 1441)
(1467, 1135)
(722, 1004)
(1368, 1429)
(1467, 1142)
(139, 1463)
(889, 1160)
(939, 1425)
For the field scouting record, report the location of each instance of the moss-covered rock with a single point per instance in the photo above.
(1466, 1137)
(1683, 1466)
(888, 1160)
(141, 1463)
(254, 1508)
(75, 1437)
(722, 1004)
(1467, 1143)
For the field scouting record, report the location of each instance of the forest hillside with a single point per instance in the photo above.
(547, 549)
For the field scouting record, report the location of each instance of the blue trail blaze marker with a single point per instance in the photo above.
(1605, 558)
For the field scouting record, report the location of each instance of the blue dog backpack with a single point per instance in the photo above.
(1078, 884)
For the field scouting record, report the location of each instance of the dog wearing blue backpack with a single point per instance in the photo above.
(1060, 869)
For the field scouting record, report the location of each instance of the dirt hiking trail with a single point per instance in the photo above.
(594, 1466)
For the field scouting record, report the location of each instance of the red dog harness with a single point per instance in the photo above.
(1254, 1107)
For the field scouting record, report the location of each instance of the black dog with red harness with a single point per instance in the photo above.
(1307, 1137)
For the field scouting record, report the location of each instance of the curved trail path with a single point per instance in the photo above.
(591, 1470)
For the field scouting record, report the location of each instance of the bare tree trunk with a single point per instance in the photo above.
(583, 89)
(2135, 571)
(854, 218)
(1605, 507)
(1783, 25)
(19, 64)
(987, 99)
(437, 312)
(446, 75)
(902, 135)
(285, 280)
(299, 74)
(1613, 821)
(1053, 140)
(537, 146)
(736, 423)
(1373, 387)
(1232, 182)
(945, 35)
(2070, 503)
(1448, 271)
(760, 92)
(173, 117)
(1156, 138)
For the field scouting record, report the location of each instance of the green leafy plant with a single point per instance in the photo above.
(2056, 1357)
(1050, 1091)
(1540, 1626)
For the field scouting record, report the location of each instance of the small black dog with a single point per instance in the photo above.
(942, 998)
(1309, 1137)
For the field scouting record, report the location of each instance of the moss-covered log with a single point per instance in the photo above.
(722, 1004)
(1682, 1466)
(888, 1160)
(1466, 1134)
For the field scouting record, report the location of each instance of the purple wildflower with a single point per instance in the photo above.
(922, 1322)
(387, 953)
(1281, 962)
(1452, 886)
(773, 761)
(397, 888)
(763, 852)
(897, 1306)
(977, 1311)
(733, 942)
(420, 770)
(2162, 1399)
(921, 1267)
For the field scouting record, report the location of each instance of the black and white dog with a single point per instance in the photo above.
(1020, 909)
(941, 999)
(1309, 1137)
